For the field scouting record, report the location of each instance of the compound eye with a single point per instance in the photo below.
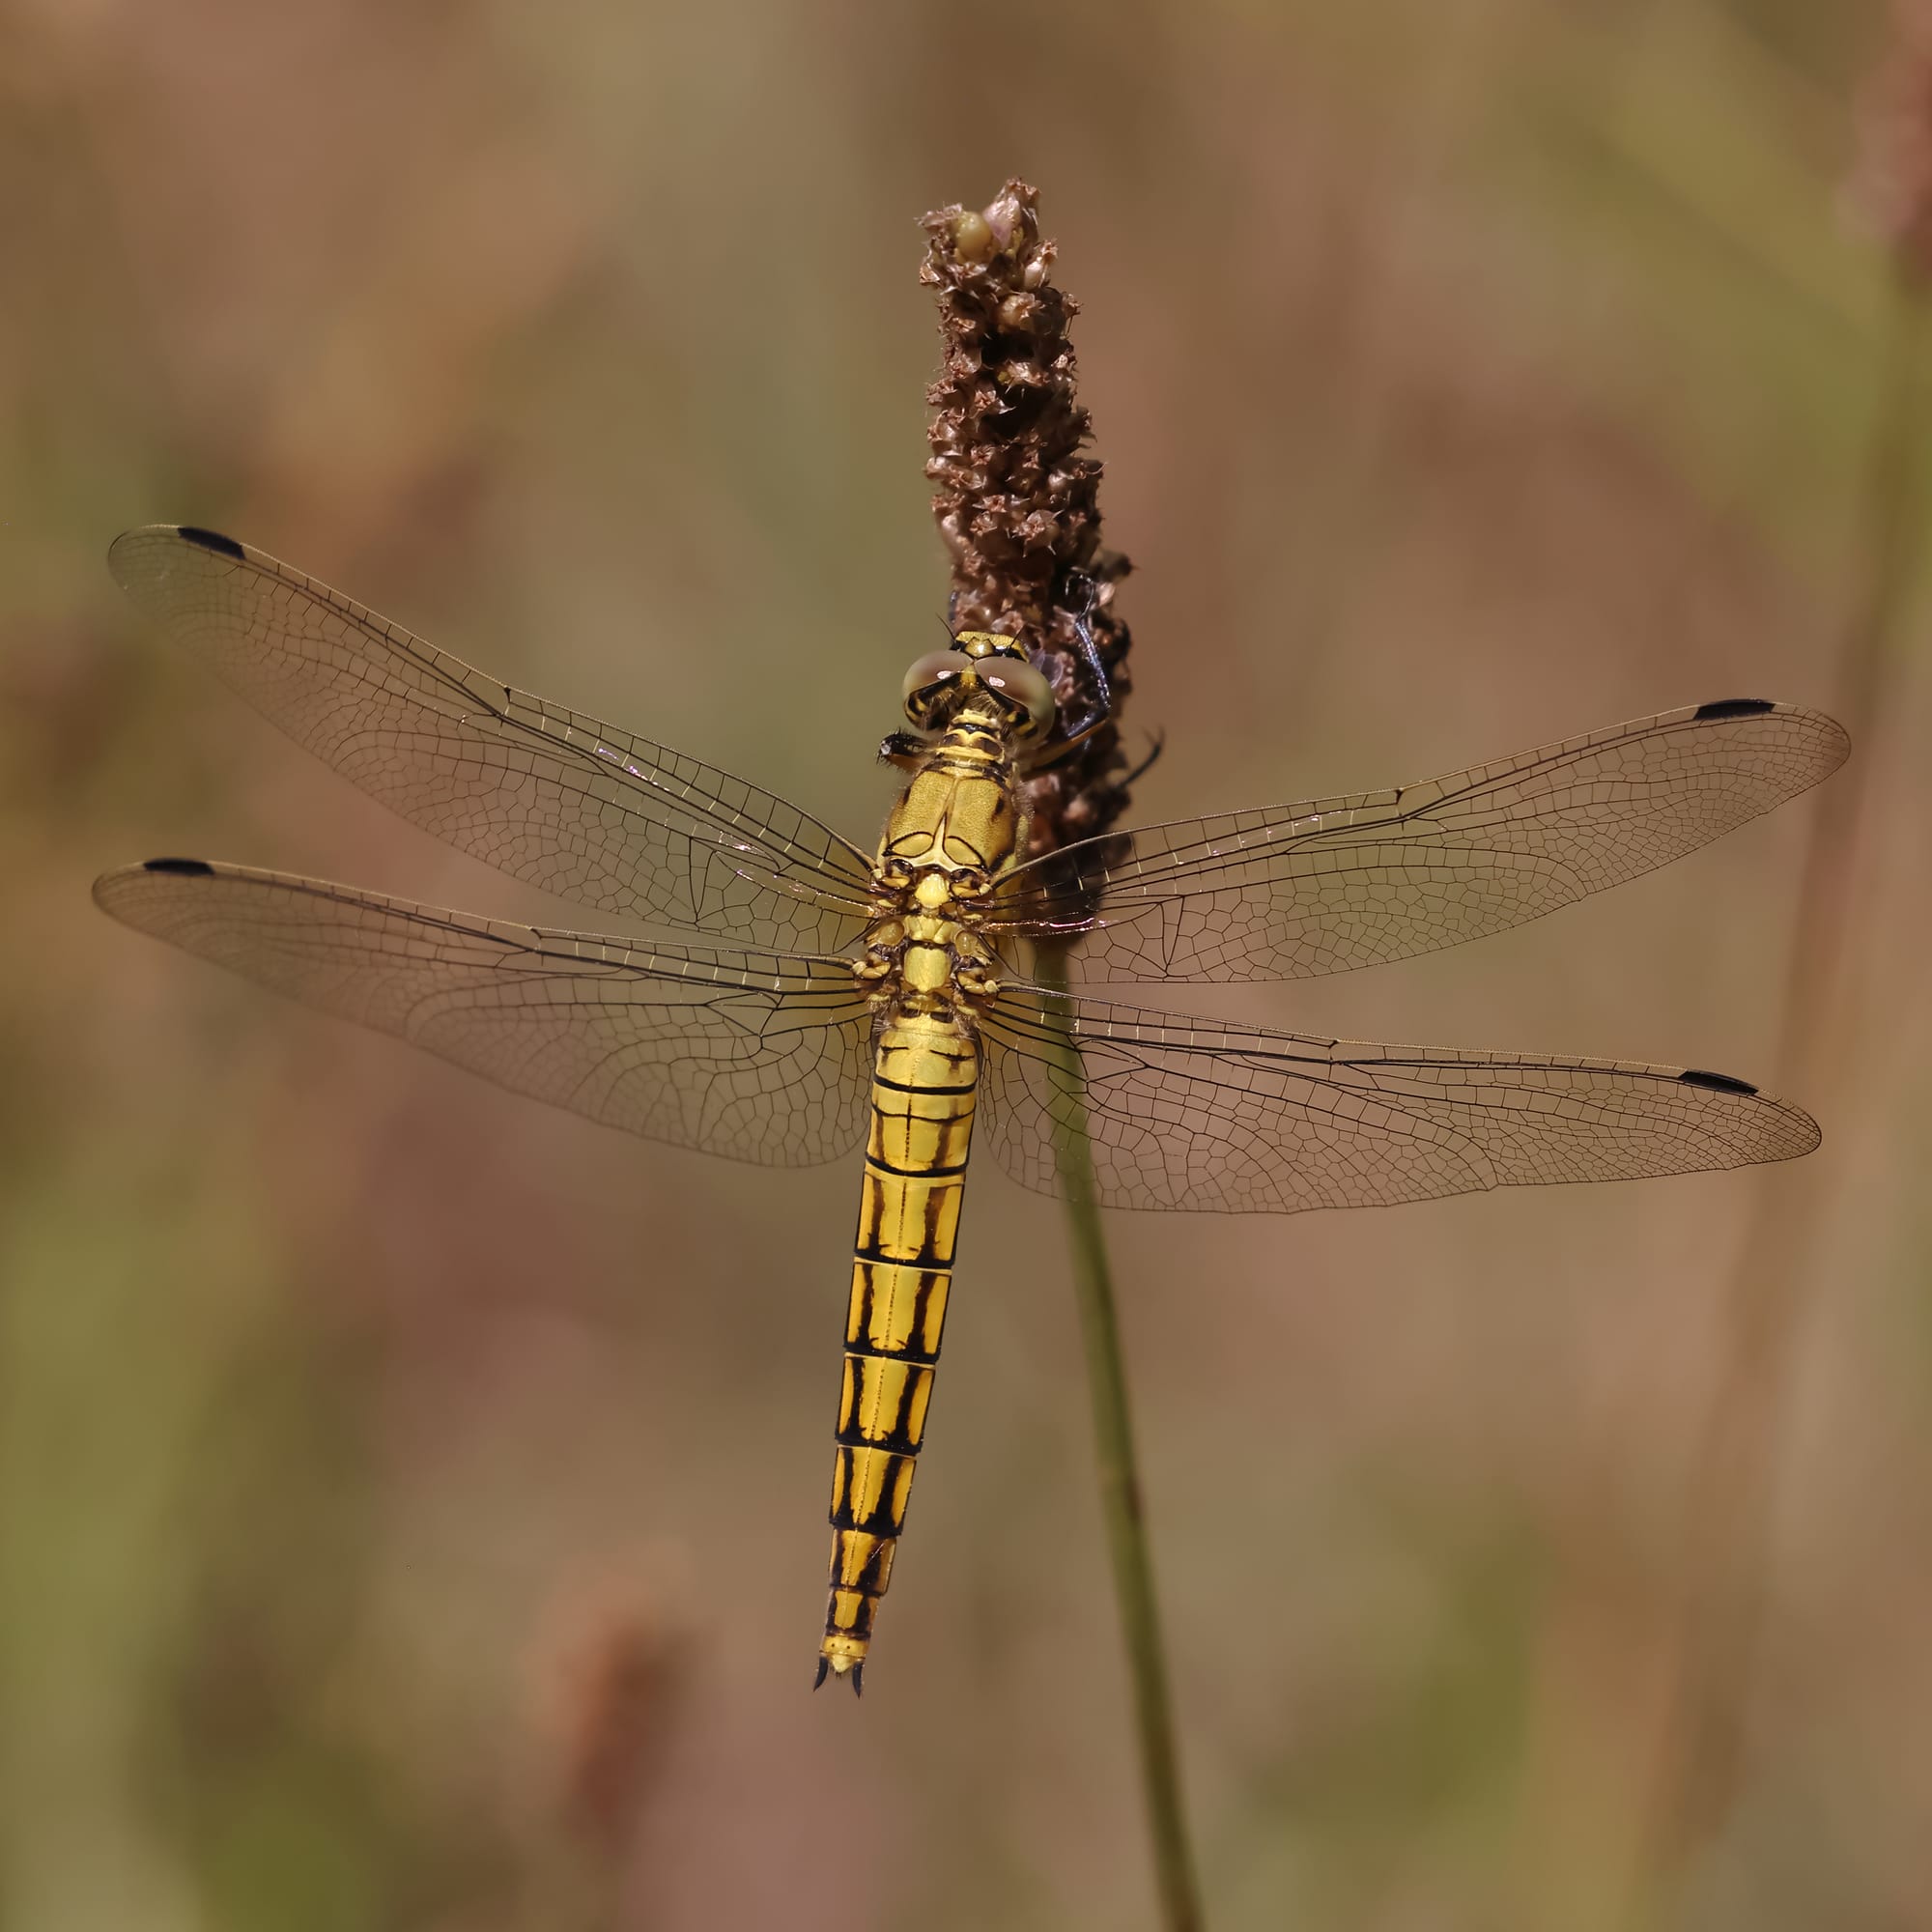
(1025, 689)
(930, 683)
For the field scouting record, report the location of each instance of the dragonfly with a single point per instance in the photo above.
(815, 998)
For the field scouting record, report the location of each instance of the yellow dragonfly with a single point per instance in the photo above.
(838, 998)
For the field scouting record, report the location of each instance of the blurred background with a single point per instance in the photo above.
(412, 1503)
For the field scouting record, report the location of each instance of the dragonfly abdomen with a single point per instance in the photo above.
(925, 1076)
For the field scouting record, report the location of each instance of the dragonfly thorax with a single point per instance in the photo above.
(926, 963)
(956, 828)
(960, 814)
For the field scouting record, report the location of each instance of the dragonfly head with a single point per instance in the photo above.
(986, 665)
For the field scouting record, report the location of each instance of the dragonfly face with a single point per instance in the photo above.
(988, 670)
(824, 999)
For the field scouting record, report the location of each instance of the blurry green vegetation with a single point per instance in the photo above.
(1467, 375)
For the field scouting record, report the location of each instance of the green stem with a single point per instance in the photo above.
(1120, 1491)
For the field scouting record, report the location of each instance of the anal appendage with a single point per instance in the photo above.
(852, 1667)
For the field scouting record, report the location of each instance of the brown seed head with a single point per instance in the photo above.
(1016, 502)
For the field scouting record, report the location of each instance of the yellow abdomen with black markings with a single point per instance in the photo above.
(948, 838)
(901, 1272)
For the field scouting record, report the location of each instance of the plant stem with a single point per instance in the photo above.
(1121, 1502)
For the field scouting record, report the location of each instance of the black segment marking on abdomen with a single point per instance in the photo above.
(925, 1258)
(930, 1280)
(879, 1166)
(894, 1433)
(900, 1086)
(880, 1522)
(929, 1256)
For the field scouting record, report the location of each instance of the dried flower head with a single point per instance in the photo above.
(1017, 503)
(1892, 189)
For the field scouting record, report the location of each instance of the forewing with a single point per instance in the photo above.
(1292, 892)
(755, 1055)
(573, 805)
(1192, 1114)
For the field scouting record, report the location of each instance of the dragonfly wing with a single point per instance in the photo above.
(1290, 892)
(573, 805)
(1194, 1114)
(756, 1056)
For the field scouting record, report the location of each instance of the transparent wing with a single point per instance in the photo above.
(754, 1056)
(1186, 1113)
(1290, 892)
(582, 809)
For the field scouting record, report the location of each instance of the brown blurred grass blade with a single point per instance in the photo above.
(1726, 1602)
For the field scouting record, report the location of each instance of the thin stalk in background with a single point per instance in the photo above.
(1734, 1477)
(1120, 1494)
